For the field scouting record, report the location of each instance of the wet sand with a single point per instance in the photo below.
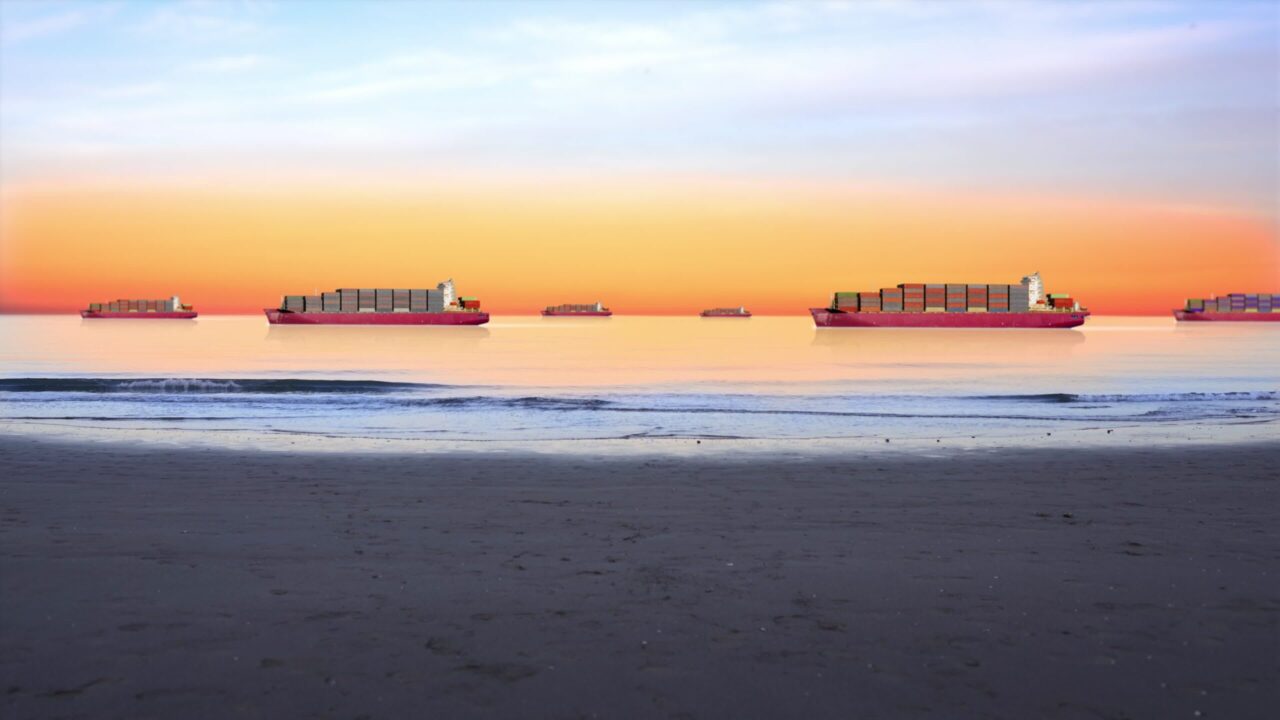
(1100, 583)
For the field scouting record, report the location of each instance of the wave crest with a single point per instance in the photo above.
(1263, 395)
(176, 386)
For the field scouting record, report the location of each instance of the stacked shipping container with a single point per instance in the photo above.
(570, 307)
(133, 306)
(891, 300)
(418, 300)
(954, 297)
(935, 298)
(922, 297)
(998, 298)
(977, 298)
(348, 300)
(912, 297)
(382, 300)
(1234, 302)
(1019, 297)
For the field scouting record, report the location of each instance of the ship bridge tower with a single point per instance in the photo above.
(447, 292)
(1035, 288)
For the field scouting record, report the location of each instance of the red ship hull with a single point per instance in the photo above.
(100, 315)
(726, 315)
(592, 313)
(1184, 316)
(276, 316)
(825, 317)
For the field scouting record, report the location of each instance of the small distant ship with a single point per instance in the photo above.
(380, 306)
(738, 312)
(596, 309)
(171, 309)
(953, 305)
(1235, 307)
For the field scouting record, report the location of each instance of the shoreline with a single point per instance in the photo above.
(152, 581)
(1038, 435)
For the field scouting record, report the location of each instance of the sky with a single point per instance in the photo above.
(662, 157)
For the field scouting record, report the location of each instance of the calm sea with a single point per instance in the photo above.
(533, 378)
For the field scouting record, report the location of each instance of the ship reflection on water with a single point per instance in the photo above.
(407, 338)
(932, 342)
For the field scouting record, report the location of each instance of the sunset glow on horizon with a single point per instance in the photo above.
(662, 158)
(776, 252)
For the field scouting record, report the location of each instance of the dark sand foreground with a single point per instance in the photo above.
(1083, 584)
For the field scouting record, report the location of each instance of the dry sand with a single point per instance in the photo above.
(1104, 583)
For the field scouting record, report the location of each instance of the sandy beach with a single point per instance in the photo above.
(141, 581)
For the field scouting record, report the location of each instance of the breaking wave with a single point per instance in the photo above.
(202, 385)
(377, 408)
(519, 403)
(1265, 395)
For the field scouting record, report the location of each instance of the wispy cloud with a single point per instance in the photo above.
(229, 64)
(16, 31)
(132, 91)
(202, 20)
(408, 72)
(963, 92)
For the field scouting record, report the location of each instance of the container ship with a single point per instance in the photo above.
(596, 309)
(171, 309)
(378, 306)
(1236, 307)
(926, 305)
(738, 312)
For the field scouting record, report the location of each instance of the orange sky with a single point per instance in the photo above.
(673, 250)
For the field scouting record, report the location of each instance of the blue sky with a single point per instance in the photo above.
(1165, 102)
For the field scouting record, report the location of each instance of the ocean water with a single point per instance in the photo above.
(631, 378)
